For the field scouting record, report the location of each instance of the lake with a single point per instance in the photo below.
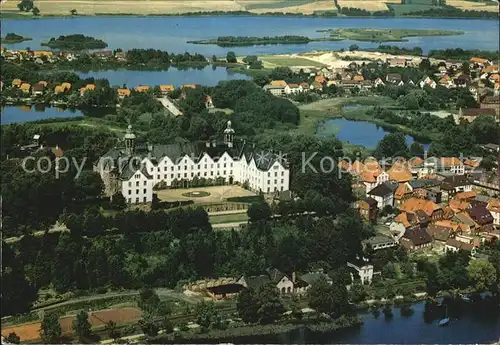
(472, 326)
(361, 133)
(171, 33)
(207, 76)
(25, 113)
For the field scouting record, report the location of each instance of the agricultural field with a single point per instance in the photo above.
(228, 218)
(385, 35)
(288, 61)
(290, 6)
(369, 5)
(491, 6)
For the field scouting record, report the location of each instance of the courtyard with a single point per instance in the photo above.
(216, 194)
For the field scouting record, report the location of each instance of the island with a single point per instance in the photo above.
(11, 38)
(384, 35)
(231, 41)
(75, 42)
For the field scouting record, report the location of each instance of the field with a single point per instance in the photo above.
(288, 61)
(472, 5)
(228, 218)
(217, 194)
(402, 9)
(289, 6)
(369, 5)
(29, 332)
(385, 35)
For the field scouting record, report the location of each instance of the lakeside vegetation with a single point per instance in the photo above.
(384, 35)
(229, 41)
(11, 38)
(75, 42)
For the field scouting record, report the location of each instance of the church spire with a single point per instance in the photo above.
(129, 141)
(228, 135)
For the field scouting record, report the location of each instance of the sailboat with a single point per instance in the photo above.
(446, 320)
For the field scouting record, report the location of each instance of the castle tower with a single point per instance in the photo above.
(229, 135)
(129, 141)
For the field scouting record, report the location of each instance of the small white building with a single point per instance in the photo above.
(365, 272)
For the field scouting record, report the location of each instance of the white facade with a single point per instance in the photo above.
(138, 189)
(365, 272)
(381, 178)
(293, 90)
(383, 201)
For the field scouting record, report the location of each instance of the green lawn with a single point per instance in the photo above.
(290, 61)
(228, 218)
(272, 5)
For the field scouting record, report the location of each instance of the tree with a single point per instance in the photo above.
(231, 57)
(425, 65)
(112, 330)
(25, 5)
(207, 316)
(391, 145)
(50, 329)
(353, 47)
(270, 304)
(81, 325)
(416, 149)
(73, 12)
(482, 273)
(214, 58)
(357, 293)
(13, 338)
(248, 306)
(259, 211)
(118, 201)
(36, 11)
(329, 299)
(148, 326)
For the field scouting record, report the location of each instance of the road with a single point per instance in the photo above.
(170, 106)
(56, 228)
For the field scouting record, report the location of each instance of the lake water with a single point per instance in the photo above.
(25, 113)
(470, 327)
(171, 33)
(356, 132)
(208, 76)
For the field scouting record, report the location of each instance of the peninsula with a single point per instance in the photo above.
(384, 35)
(231, 41)
(75, 42)
(11, 38)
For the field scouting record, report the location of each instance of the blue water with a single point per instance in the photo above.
(356, 132)
(171, 33)
(207, 76)
(22, 113)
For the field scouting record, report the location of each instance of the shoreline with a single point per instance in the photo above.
(17, 16)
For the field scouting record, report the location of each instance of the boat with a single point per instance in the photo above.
(465, 298)
(446, 320)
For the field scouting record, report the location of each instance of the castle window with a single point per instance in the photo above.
(178, 167)
(145, 183)
(224, 165)
(268, 174)
(231, 165)
(137, 200)
(282, 173)
(145, 191)
(171, 168)
(165, 176)
(165, 169)
(275, 174)
(137, 183)
(275, 181)
(145, 199)
(159, 177)
(268, 181)
(137, 191)
(211, 173)
(129, 191)
(129, 200)
(205, 165)
(158, 169)
(185, 175)
(281, 181)
(130, 184)
(198, 167)
(185, 167)
(171, 175)
(205, 173)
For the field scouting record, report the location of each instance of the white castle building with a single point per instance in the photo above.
(136, 170)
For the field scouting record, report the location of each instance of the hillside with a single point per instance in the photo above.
(147, 7)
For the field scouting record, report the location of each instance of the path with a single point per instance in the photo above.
(170, 106)
(55, 228)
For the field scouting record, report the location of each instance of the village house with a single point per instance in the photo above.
(305, 86)
(293, 89)
(59, 89)
(491, 102)
(453, 245)
(402, 193)
(209, 104)
(142, 88)
(16, 83)
(415, 239)
(379, 242)
(88, 87)
(66, 86)
(452, 185)
(38, 89)
(383, 194)
(427, 81)
(25, 87)
(393, 78)
(367, 208)
(284, 284)
(395, 62)
(120, 56)
(122, 93)
(166, 89)
(446, 81)
(431, 209)
(471, 114)
(276, 87)
(462, 80)
(467, 224)
(479, 61)
(494, 208)
(103, 54)
(439, 234)
(482, 217)
(378, 82)
(364, 271)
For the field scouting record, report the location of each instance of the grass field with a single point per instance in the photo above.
(402, 9)
(288, 61)
(385, 35)
(217, 194)
(311, 113)
(369, 5)
(229, 218)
